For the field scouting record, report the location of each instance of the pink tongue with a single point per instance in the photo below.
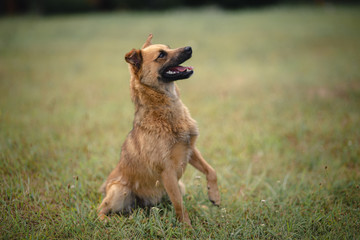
(180, 68)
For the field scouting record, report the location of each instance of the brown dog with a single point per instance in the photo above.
(156, 151)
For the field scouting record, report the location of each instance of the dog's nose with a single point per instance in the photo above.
(188, 49)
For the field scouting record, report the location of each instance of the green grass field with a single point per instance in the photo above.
(276, 93)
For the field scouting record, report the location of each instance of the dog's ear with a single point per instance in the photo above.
(148, 41)
(134, 58)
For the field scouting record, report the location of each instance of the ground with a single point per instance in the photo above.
(275, 92)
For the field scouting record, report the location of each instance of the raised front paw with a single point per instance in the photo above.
(214, 195)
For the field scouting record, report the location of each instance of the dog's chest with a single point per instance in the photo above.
(175, 122)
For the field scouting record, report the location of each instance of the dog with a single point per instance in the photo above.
(162, 141)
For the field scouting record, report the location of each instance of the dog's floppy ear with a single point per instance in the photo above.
(148, 41)
(134, 58)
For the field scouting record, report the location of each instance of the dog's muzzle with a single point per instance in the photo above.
(173, 71)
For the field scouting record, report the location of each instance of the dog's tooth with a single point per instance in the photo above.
(170, 72)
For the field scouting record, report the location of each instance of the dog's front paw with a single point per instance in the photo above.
(214, 195)
(103, 218)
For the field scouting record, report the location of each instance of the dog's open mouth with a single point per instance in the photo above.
(173, 71)
(177, 73)
(178, 70)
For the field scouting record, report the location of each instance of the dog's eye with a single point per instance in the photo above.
(162, 54)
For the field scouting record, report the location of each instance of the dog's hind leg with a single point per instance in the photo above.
(200, 164)
(119, 198)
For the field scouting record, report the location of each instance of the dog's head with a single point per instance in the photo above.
(156, 65)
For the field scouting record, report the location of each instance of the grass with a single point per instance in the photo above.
(276, 94)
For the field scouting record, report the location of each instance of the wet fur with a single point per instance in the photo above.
(155, 153)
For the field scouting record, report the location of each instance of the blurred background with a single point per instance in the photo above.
(72, 6)
(275, 92)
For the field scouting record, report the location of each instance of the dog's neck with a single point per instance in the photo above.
(150, 97)
(172, 90)
(163, 107)
(154, 103)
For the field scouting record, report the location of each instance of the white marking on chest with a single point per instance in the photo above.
(136, 185)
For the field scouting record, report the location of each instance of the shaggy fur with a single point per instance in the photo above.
(156, 151)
